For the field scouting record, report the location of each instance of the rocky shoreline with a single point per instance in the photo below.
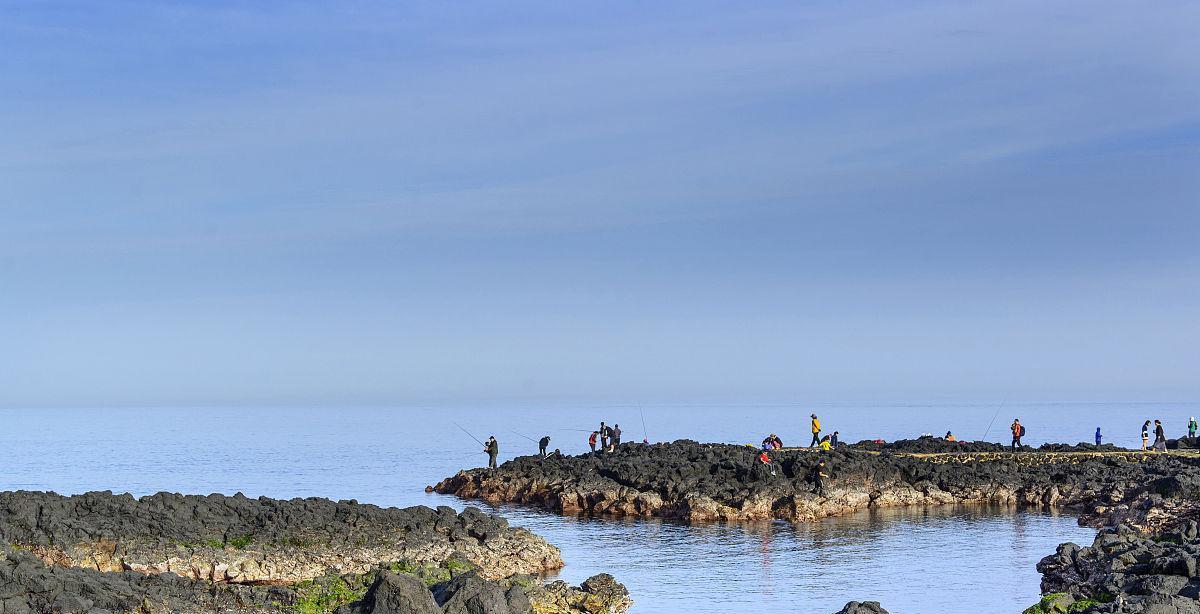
(101, 552)
(1144, 559)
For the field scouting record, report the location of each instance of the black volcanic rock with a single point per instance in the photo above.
(865, 607)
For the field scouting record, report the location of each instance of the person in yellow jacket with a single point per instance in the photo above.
(825, 443)
(816, 430)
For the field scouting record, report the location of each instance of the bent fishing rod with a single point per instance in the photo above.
(469, 434)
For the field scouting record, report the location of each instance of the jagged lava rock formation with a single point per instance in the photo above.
(700, 482)
(100, 552)
(258, 541)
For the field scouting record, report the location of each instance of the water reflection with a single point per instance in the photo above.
(914, 560)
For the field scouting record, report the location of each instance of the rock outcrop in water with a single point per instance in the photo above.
(101, 552)
(865, 607)
(700, 482)
(1146, 562)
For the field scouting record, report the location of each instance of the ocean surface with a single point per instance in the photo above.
(914, 560)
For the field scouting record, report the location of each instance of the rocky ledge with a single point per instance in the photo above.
(701, 482)
(101, 552)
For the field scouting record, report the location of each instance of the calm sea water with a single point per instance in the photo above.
(914, 561)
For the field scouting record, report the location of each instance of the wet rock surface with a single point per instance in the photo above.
(101, 552)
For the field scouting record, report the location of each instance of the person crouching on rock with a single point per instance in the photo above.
(765, 460)
(493, 450)
(816, 431)
(825, 443)
(592, 441)
(543, 443)
(818, 478)
(1017, 431)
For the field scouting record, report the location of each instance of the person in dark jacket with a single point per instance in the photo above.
(604, 431)
(818, 478)
(493, 450)
(543, 443)
(1145, 435)
(1160, 437)
(1099, 437)
(616, 437)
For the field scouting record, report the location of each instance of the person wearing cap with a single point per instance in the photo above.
(816, 431)
(1192, 425)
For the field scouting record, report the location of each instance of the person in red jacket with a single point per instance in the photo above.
(592, 441)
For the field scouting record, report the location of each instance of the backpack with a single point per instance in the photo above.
(1022, 430)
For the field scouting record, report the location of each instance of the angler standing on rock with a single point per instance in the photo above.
(1017, 431)
(543, 443)
(816, 431)
(492, 447)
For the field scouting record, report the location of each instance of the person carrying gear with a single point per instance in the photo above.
(493, 450)
(1017, 431)
(543, 443)
(1192, 426)
(592, 441)
(816, 431)
(615, 437)
(818, 478)
(1145, 435)
(1099, 437)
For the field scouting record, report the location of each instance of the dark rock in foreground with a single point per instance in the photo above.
(256, 541)
(101, 553)
(1127, 571)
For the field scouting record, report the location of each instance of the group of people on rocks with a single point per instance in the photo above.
(610, 438)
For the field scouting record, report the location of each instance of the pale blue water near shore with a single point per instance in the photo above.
(914, 561)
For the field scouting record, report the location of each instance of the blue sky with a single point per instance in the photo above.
(225, 203)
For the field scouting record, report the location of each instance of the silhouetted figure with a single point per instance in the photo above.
(493, 450)
(543, 443)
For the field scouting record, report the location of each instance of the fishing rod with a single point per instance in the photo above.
(994, 416)
(645, 437)
(469, 434)
(525, 436)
